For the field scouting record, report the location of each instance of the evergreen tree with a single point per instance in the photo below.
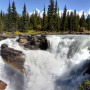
(32, 21)
(24, 19)
(39, 20)
(51, 16)
(58, 21)
(28, 21)
(82, 21)
(14, 17)
(75, 24)
(71, 21)
(9, 18)
(78, 22)
(68, 21)
(1, 15)
(56, 17)
(1, 25)
(19, 23)
(64, 20)
(88, 22)
(44, 22)
(35, 20)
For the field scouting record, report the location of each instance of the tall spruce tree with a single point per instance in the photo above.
(14, 17)
(51, 16)
(32, 21)
(64, 20)
(82, 21)
(68, 22)
(35, 20)
(88, 22)
(71, 21)
(9, 18)
(24, 19)
(75, 24)
(58, 21)
(44, 22)
(1, 25)
(56, 17)
(28, 21)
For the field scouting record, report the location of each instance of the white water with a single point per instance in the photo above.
(61, 67)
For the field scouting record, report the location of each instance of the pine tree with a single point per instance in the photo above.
(58, 21)
(88, 22)
(32, 21)
(75, 23)
(64, 20)
(56, 17)
(68, 22)
(14, 17)
(78, 22)
(82, 21)
(28, 21)
(44, 22)
(35, 20)
(51, 16)
(1, 25)
(71, 21)
(9, 18)
(24, 19)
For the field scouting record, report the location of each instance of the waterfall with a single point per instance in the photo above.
(61, 67)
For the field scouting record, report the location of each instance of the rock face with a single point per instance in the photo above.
(34, 42)
(5, 37)
(13, 57)
(2, 85)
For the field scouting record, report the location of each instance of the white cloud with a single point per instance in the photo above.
(88, 12)
(37, 10)
(81, 12)
(41, 14)
(61, 12)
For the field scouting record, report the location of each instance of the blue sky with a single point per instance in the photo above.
(39, 4)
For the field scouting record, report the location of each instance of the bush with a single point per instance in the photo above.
(39, 27)
(82, 29)
(85, 85)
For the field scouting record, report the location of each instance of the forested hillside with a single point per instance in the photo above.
(51, 21)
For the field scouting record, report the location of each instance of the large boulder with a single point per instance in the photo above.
(34, 42)
(13, 57)
(2, 85)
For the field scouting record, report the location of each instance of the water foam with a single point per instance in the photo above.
(52, 69)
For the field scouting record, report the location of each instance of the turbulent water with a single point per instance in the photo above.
(61, 67)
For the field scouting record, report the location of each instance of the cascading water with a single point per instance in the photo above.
(61, 67)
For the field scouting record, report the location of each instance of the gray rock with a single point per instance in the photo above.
(12, 56)
(34, 42)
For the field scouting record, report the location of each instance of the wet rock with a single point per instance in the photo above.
(13, 57)
(88, 71)
(2, 85)
(5, 37)
(34, 42)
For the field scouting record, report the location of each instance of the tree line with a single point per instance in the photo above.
(51, 21)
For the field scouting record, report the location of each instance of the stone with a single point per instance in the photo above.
(14, 57)
(2, 85)
(34, 42)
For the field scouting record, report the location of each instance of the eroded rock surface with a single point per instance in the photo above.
(14, 57)
(34, 42)
(2, 85)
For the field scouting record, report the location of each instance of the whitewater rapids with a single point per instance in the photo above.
(61, 67)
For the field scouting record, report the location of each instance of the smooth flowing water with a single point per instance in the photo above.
(61, 67)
